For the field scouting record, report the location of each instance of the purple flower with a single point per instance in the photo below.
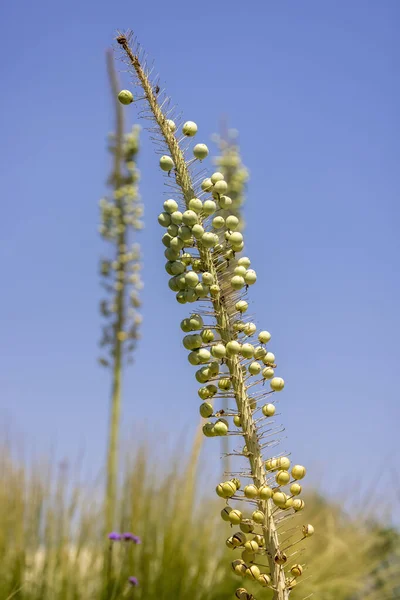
(133, 581)
(114, 536)
(130, 537)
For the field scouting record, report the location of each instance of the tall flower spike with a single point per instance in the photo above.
(197, 255)
(121, 215)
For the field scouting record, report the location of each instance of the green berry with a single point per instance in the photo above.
(232, 222)
(171, 125)
(224, 383)
(216, 177)
(209, 239)
(218, 222)
(233, 348)
(220, 187)
(170, 206)
(239, 271)
(244, 262)
(250, 277)
(192, 279)
(189, 218)
(166, 163)
(237, 282)
(200, 151)
(166, 240)
(268, 410)
(259, 352)
(225, 202)
(250, 491)
(214, 290)
(196, 322)
(250, 328)
(241, 306)
(202, 290)
(197, 265)
(125, 97)
(186, 258)
(173, 230)
(202, 375)
(197, 231)
(173, 285)
(277, 384)
(264, 337)
(295, 489)
(282, 478)
(196, 205)
(204, 355)
(247, 350)
(269, 358)
(218, 351)
(185, 325)
(209, 207)
(171, 254)
(164, 219)
(254, 368)
(258, 517)
(176, 243)
(235, 516)
(206, 185)
(235, 238)
(176, 217)
(268, 373)
(207, 278)
(265, 492)
(298, 472)
(208, 430)
(237, 421)
(189, 128)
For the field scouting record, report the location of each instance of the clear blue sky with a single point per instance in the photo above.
(313, 89)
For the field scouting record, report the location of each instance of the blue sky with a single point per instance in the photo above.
(312, 88)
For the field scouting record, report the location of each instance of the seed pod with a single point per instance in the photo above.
(290, 583)
(273, 464)
(259, 539)
(224, 383)
(264, 580)
(217, 176)
(235, 516)
(254, 368)
(258, 517)
(125, 97)
(200, 151)
(208, 430)
(235, 238)
(268, 410)
(251, 546)
(192, 279)
(209, 239)
(232, 223)
(298, 504)
(218, 351)
(237, 421)
(206, 410)
(204, 355)
(264, 337)
(214, 290)
(295, 489)
(171, 125)
(212, 390)
(250, 277)
(241, 271)
(282, 478)
(259, 352)
(218, 222)
(247, 526)
(203, 393)
(189, 218)
(164, 219)
(288, 503)
(209, 207)
(207, 185)
(189, 129)
(220, 428)
(171, 254)
(243, 594)
(225, 202)
(241, 306)
(308, 530)
(280, 558)
(181, 298)
(172, 229)
(265, 492)
(225, 513)
(166, 163)
(248, 557)
(253, 572)
(244, 261)
(220, 187)
(207, 336)
(238, 538)
(250, 491)
(207, 278)
(237, 247)
(268, 373)
(201, 290)
(214, 368)
(247, 350)
(269, 358)
(235, 480)
(277, 384)
(192, 342)
(298, 472)
(196, 322)
(202, 375)
(185, 325)
(250, 328)
(236, 563)
(176, 217)
(279, 499)
(219, 490)
(239, 326)
(186, 258)
(240, 569)
(233, 348)
(172, 284)
(228, 488)
(176, 243)
(190, 295)
(229, 543)
(197, 265)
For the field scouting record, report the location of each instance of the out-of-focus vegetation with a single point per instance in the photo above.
(52, 546)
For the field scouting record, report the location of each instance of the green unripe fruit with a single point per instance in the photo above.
(259, 352)
(235, 516)
(220, 428)
(282, 478)
(212, 390)
(240, 569)
(176, 243)
(220, 187)
(264, 337)
(207, 278)
(171, 125)
(218, 351)
(228, 488)
(233, 348)
(296, 570)
(244, 262)
(185, 233)
(166, 163)
(251, 546)
(308, 530)
(217, 176)
(268, 410)
(273, 464)
(250, 491)
(204, 355)
(268, 373)
(254, 368)
(253, 572)
(193, 357)
(176, 217)
(258, 517)
(186, 258)
(164, 219)
(247, 526)
(224, 384)
(197, 231)
(173, 230)
(264, 580)
(196, 205)
(166, 240)
(192, 342)
(218, 222)
(288, 503)
(214, 290)
(214, 368)
(206, 185)
(260, 540)
(189, 129)
(235, 238)
(201, 290)
(197, 265)
(237, 421)
(229, 543)
(295, 489)
(207, 336)
(171, 254)
(203, 393)
(298, 472)
(206, 410)
(232, 223)
(220, 491)
(209, 207)
(180, 282)
(177, 267)
(238, 539)
(189, 218)
(269, 358)
(208, 430)
(279, 499)
(250, 328)
(192, 279)
(202, 375)
(247, 351)
(265, 492)
(241, 306)
(298, 504)
(235, 480)
(125, 97)
(196, 322)
(239, 271)
(225, 513)
(181, 297)
(248, 557)
(237, 282)
(172, 284)
(200, 151)
(250, 277)
(170, 206)
(225, 202)
(237, 248)
(277, 384)
(209, 239)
